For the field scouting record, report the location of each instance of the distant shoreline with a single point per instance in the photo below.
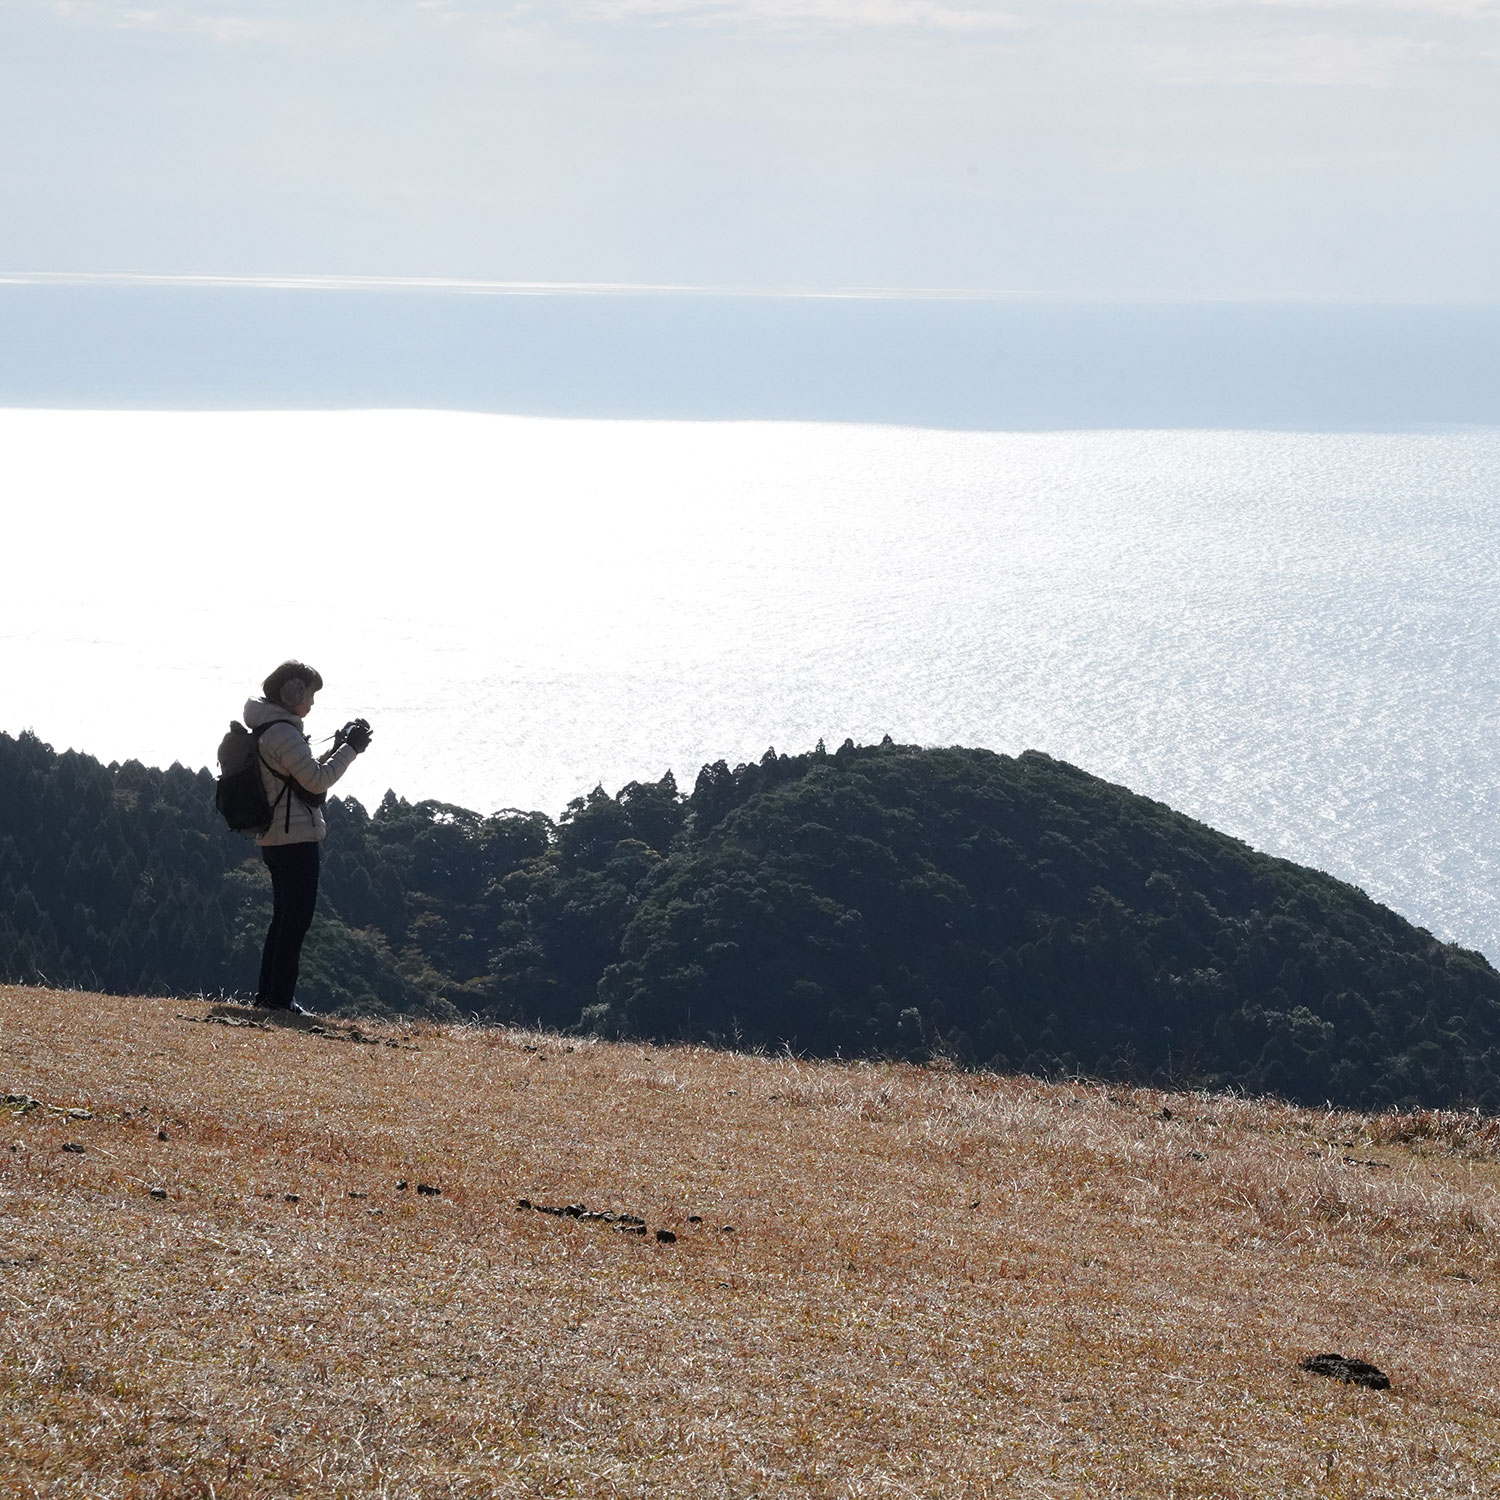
(984, 362)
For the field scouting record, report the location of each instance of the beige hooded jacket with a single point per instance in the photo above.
(284, 751)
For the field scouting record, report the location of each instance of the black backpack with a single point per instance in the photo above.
(240, 794)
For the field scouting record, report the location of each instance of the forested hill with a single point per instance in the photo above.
(1011, 912)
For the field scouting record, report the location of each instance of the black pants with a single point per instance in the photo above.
(294, 888)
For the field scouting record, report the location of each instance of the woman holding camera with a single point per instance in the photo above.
(296, 784)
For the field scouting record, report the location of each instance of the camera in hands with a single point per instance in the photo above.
(356, 732)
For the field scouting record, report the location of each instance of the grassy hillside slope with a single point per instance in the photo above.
(936, 1283)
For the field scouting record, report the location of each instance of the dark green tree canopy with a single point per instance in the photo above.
(1021, 913)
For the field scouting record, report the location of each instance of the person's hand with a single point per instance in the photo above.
(357, 733)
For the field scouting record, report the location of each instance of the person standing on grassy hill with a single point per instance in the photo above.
(296, 784)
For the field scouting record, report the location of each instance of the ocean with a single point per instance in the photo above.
(1287, 630)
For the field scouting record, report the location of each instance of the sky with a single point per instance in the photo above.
(1137, 149)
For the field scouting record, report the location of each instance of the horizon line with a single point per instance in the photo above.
(479, 287)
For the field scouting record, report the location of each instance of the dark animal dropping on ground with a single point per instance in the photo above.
(1350, 1371)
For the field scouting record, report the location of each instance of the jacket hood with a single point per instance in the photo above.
(258, 711)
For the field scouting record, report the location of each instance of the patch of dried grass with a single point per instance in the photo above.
(1450, 1131)
(936, 1283)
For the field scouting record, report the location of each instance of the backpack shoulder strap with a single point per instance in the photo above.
(286, 781)
(289, 784)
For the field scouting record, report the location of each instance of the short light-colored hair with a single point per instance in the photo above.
(291, 682)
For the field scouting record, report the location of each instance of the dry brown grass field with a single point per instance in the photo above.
(935, 1284)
